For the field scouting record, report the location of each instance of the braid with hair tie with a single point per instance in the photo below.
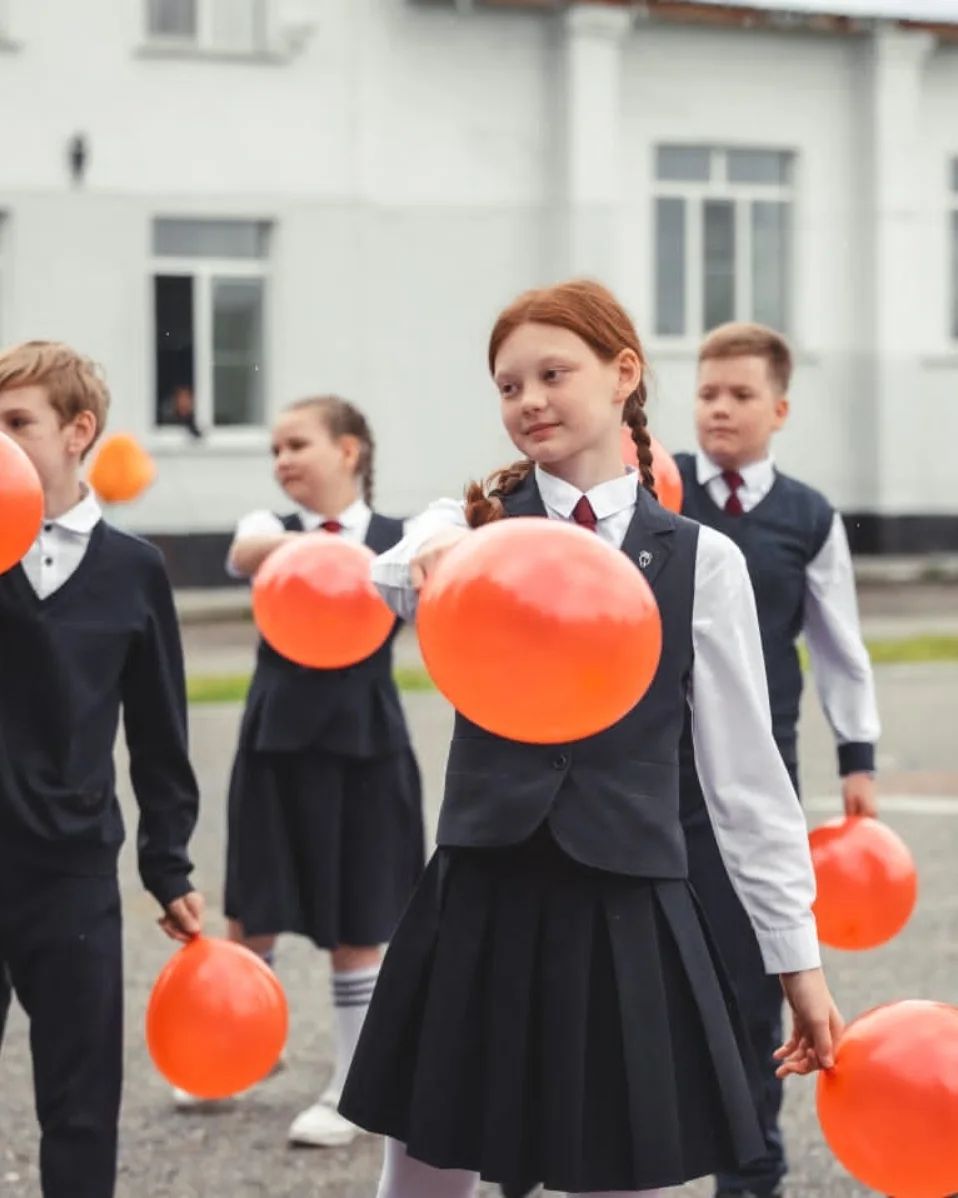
(484, 500)
(634, 416)
(367, 467)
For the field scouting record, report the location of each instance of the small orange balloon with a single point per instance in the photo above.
(21, 503)
(217, 1019)
(889, 1107)
(314, 602)
(539, 631)
(867, 882)
(668, 480)
(121, 470)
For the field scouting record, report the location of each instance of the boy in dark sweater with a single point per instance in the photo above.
(799, 562)
(87, 627)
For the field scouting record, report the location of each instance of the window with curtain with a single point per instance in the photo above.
(723, 244)
(209, 305)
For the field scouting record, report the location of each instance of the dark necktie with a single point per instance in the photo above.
(331, 526)
(733, 480)
(583, 514)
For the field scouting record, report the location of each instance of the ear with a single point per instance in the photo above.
(629, 369)
(82, 433)
(782, 408)
(350, 448)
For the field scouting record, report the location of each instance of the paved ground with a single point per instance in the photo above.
(240, 1152)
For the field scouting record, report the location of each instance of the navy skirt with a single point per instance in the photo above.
(537, 1020)
(325, 846)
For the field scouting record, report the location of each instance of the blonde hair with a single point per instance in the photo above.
(741, 340)
(72, 382)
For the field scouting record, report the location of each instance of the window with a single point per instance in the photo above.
(226, 26)
(953, 219)
(722, 238)
(209, 289)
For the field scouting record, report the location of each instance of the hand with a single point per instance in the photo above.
(184, 917)
(858, 795)
(432, 553)
(816, 1024)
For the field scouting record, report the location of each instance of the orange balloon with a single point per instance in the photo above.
(21, 503)
(889, 1107)
(217, 1019)
(867, 883)
(314, 602)
(121, 470)
(539, 631)
(668, 480)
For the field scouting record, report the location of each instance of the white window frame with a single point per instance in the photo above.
(742, 195)
(204, 271)
(203, 42)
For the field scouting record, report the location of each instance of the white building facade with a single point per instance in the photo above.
(236, 203)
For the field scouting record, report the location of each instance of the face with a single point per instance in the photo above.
(560, 399)
(737, 408)
(55, 449)
(307, 458)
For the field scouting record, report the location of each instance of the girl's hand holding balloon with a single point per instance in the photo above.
(432, 553)
(184, 917)
(816, 1024)
(858, 795)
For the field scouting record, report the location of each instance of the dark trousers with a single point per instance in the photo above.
(759, 994)
(61, 952)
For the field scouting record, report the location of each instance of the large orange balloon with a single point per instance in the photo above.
(889, 1107)
(314, 602)
(867, 883)
(121, 470)
(21, 503)
(217, 1019)
(668, 480)
(539, 631)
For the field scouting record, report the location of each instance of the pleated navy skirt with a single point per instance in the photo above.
(536, 1020)
(325, 846)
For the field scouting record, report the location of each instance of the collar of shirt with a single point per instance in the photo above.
(80, 519)
(607, 499)
(350, 518)
(757, 477)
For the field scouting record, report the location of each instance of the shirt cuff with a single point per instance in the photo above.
(790, 950)
(856, 757)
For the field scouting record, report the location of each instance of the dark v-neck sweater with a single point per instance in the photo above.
(105, 640)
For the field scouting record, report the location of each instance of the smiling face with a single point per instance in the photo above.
(55, 447)
(738, 407)
(559, 399)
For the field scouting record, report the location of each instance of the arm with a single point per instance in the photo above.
(841, 666)
(394, 573)
(755, 814)
(154, 716)
(256, 536)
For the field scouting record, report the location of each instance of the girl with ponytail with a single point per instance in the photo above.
(550, 1009)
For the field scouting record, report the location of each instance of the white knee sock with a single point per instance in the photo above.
(405, 1177)
(352, 991)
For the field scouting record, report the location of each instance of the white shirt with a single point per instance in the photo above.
(840, 663)
(758, 822)
(60, 545)
(261, 523)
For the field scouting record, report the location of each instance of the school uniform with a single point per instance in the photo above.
(325, 834)
(552, 981)
(87, 626)
(798, 559)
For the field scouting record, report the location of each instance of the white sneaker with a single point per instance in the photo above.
(322, 1126)
(183, 1100)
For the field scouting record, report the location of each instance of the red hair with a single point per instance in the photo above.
(593, 313)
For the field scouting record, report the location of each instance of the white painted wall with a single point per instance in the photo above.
(416, 168)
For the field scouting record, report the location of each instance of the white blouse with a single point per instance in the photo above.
(758, 822)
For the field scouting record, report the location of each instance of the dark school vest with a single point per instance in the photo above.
(353, 712)
(779, 537)
(611, 800)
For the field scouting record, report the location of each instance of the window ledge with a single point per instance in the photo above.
(267, 56)
(222, 442)
(680, 350)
